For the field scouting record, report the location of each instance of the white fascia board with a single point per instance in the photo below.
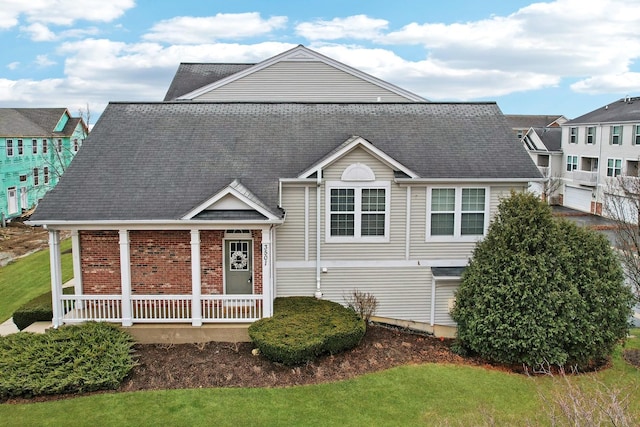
(474, 181)
(154, 224)
(235, 193)
(355, 142)
(301, 53)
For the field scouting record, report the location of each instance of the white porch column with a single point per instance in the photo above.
(267, 297)
(56, 277)
(125, 277)
(196, 305)
(77, 267)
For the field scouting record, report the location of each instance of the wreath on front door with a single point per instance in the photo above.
(238, 260)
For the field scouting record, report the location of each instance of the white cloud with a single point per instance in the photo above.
(624, 83)
(354, 27)
(44, 61)
(61, 12)
(228, 26)
(13, 65)
(39, 32)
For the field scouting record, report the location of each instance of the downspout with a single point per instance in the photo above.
(318, 293)
(600, 162)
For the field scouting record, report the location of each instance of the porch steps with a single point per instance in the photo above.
(184, 333)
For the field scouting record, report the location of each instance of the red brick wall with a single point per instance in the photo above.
(160, 262)
(211, 267)
(100, 258)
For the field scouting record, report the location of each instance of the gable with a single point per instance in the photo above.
(301, 74)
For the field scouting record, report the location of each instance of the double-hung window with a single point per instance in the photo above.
(45, 174)
(636, 134)
(45, 147)
(358, 211)
(614, 167)
(572, 163)
(20, 147)
(616, 135)
(59, 146)
(34, 146)
(591, 135)
(35, 177)
(573, 135)
(456, 212)
(9, 147)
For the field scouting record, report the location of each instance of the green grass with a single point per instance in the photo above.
(414, 395)
(29, 277)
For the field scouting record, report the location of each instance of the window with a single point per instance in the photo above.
(358, 211)
(23, 178)
(9, 147)
(34, 146)
(45, 174)
(636, 134)
(591, 135)
(35, 176)
(572, 163)
(75, 145)
(20, 147)
(616, 135)
(45, 148)
(59, 146)
(614, 167)
(573, 135)
(456, 212)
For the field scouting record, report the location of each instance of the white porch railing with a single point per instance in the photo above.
(162, 308)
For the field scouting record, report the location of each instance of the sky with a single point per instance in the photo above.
(564, 57)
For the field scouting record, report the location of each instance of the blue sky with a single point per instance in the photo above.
(556, 57)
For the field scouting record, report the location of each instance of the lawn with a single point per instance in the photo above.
(28, 278)
(428, 394)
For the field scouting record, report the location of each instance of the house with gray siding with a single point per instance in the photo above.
(212, 208)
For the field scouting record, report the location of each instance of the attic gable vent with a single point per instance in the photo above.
(358, 172)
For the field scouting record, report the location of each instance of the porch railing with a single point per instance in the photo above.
(162, 308)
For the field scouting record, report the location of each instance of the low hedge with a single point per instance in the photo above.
(37, 310)
(303, 328)
(71, 359)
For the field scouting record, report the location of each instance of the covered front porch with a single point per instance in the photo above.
(169, 275)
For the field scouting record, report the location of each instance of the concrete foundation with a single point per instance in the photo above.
(177, 333)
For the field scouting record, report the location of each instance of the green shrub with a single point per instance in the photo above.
(303, 328)
(37, 310)
(71, 359)
(541, 291)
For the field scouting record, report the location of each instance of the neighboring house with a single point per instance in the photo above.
(210, 210)
(598, 146)
(545, 148)
(521, 123)
(37, 145)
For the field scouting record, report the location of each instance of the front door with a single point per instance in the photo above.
(238, 267)
(13, 200)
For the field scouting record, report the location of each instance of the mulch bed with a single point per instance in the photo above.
(220, 364)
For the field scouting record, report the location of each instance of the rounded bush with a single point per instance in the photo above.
(541, 291)
(304, 328)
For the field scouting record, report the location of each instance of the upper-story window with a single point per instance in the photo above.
(75, 145)
(636, 134)
(9, 147)
(59, 146)
(36, 177)
(45, 147)
(591, 135)
(358, 207)
(34, 146)
(614, 167)
(573, 135)
(616, 135)
(45, 174)
(572, 163)
(20, 147)
(456, 212)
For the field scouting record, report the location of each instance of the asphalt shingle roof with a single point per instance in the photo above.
(192, 76)
(526, 121)
(159, 160)
(30, 121)
(622, 110)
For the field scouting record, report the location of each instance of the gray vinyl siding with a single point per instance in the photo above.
(291, 235)
(402, 293)
(305, 81)
(445, 291)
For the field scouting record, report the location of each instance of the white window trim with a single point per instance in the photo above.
(614, 167)
(12, 148)
(619, 135)
(358, 186)
(576, 164)
(636, 133)
(457, 215)
(586, 135)
(573, 138)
